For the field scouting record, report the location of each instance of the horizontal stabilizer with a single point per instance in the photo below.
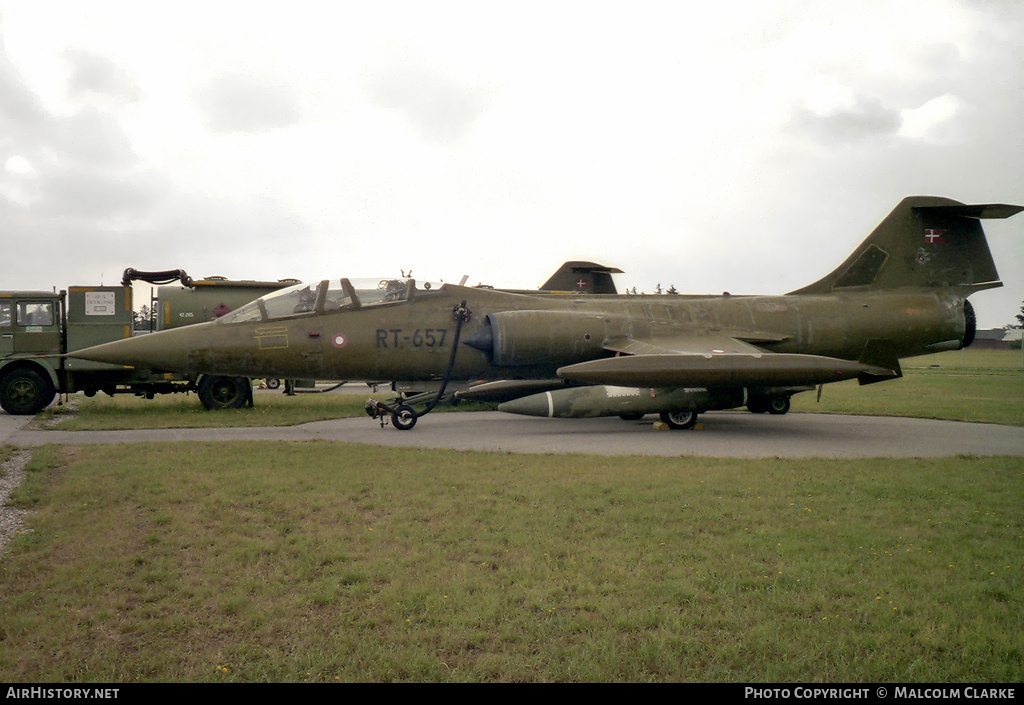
(981, 210)
(728, 370)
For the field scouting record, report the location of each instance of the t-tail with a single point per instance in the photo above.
(926, 242)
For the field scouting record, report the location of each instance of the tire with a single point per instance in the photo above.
(25, 392)
(224, 392)
(273, 383)
(758, 405)
(778, 405)
(404, 417)
(679, 419)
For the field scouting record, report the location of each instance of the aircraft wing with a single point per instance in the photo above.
(686, 344)
(710, 360)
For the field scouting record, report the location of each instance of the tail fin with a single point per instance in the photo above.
(587, 277)
(926, 241)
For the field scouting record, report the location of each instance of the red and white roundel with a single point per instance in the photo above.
(339, 340)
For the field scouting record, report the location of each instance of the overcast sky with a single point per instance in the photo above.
(735, 145)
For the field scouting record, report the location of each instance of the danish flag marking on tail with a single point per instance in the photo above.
(934, 236)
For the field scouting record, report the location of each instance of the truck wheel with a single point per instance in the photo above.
(25, 392)
(224, 392)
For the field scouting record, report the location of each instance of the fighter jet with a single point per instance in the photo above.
(903, 292)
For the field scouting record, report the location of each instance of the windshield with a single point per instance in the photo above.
(328, 295)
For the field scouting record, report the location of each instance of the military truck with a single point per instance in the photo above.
(38, 327)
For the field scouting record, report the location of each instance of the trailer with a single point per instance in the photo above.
(38, 328)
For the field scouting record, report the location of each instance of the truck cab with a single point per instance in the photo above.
(31, 329)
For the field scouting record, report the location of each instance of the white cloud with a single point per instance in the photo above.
(93, 75)
(247, 103)
(927, 122)
(440, 106)
(18, 182)
(19, 165)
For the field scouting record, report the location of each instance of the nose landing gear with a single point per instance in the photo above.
(404, 415)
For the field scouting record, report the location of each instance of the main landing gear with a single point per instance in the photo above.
(679, 420)
(772, 405)
(777, 404)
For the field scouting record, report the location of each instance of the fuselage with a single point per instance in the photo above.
(530, 336)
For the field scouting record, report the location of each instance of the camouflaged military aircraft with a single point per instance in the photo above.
(903, 292)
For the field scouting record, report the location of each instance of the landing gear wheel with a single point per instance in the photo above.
(778, 405)
(273, 383)
(679, 419)
(403, 417)
(758, 405)
(224, 392)
(25, 392)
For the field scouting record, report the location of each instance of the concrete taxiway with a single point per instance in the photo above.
(724, 434)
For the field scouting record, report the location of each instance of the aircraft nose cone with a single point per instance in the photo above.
(164, 350)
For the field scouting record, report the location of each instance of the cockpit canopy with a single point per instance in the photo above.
(326, 296)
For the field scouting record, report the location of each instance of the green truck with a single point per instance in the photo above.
(38, 327)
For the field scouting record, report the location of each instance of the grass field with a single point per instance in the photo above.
(331, 562)
(967, 385)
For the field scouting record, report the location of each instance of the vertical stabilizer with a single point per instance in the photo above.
(588, 277)
(926, 241)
